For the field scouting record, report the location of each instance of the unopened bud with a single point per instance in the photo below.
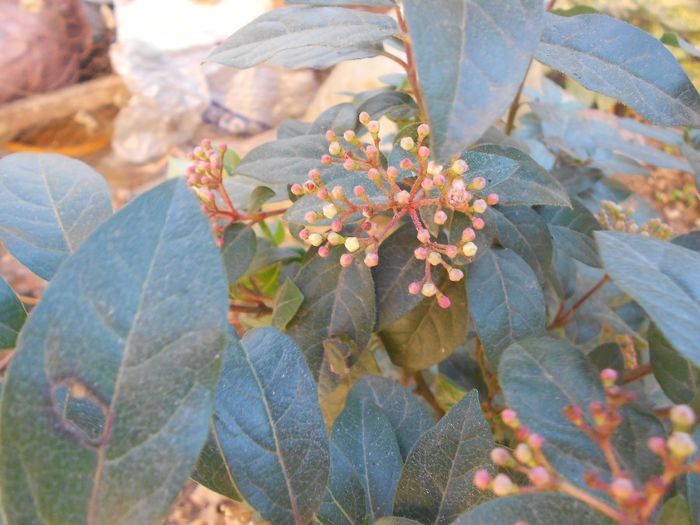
(335, 148)
(608, 377)
(338, 192)
(423, 152)
(324, 251)
(371, 150)
(349, 164)
(331, 136)
(310, 186)
(350, 136)
(456, 275)
(622, 489)
(403, 197)
(304, 234)
(535, 441)
(322, 194)
(439, 179)
(345, 260)
(423, 130)
(479, 206)
(311, 217)
(482, 479)
(407, 144)
(434, 258)
(510, 418)
(682, 417)
(492, 199)
(335, 239)
(316, 239)
(470, 249)
(414, 288)
(406, 164)
(479, 183)
(460, 167)
(364, 118)
(500, 457)
(451, 251)
(444, 302)
(373, 127)
(523, 453)
(330, 211)
(371, 260)
(421, 253)
(427, 184)
(657, 445)
(392, 172)
(539, 476)
(297, 189)
(373, 174)
(352, 244)
(478, 223)
(336, 226)
(423, 236)
(359, 191)
(429, 289)
(440, 217)
(326, 160)
(502, 485)
(681, 445)
(434, 168)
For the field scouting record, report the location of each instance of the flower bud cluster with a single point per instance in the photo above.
(612, 216)
(633, 503)
(423, 185)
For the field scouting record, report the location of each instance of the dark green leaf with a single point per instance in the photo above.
(663, 278)
(211, 469)
(365, 465)
(690, 240)
(678, 377)
(394, 104)
(292, 128)
(287, 303)
(623, 62)
(693, 157)
(693, 486)
(49, 204)
(505, 301)
(408, 415)
(297, 37)
(572, 230)
(260, 196)
(522, 230)
(514, 176)
(675, 511)
(269, 427)
(436, 484)
(462, 370)
(393, 520)
(133, 324)
(673, 39)
(12, 316)
(428, 334)
(535, 377)
(339, 118)
(337, 302)
(484, 238)
(534, 509)
(369, 3)
(608, 355)
(238, 250)
(471, 57)
(576, 10)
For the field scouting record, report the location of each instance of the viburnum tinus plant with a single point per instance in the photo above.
(392, 314)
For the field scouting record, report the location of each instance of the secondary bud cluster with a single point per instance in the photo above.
(612, 216)
(403, 191)
(633, 503)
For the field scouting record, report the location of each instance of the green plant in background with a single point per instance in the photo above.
(439, 285)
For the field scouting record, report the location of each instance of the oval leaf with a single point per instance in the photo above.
(623, 62)
(471, 57)
(678, 377)
(436, 484)
(49, 204)
(572, 231)
(269, 428)
(12, 316)
(131, 326)
(297, 37)
(238, 250)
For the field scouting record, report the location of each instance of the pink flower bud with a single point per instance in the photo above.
(539, 476)
(608, 377)
(322, 194)
(421, 253)
(331, 136)
(434, 168)
(311, 217)
(510, 418)
(315, 175)
(681, 445)
(324, 251)
(309, 186)
(622, 489)
(335, 149)
(434, 258)
(326, 160)
(523, 453)
(451, 251)
(223, 148)
(482, 479)
(336, 226)
(350, 136)
(373, 127)
(682, 417)
(359, 191)
(366, 226)
(444, 302)
(392, 172)
(206, 144)
(297, 189)
(439, 180)
(479, 183)
(338, 192)
(349, 164)
(423, 236)
(427, 184)
(657, 445)
(502, 485)
(407, 144)
(460, 167)
(403, 197)
(423, 130)
(478, 223)
(364, 118)
(479, 206)
(440, 217)
(316, 239)
(429, 289)
(192, 180)
(535, 441)
(406, 164)
(500, 457)
(468, 235)
(345, 260)
(414, 288)
(423, 152)
(470, 249)
(371, 260)
(371, 150)
(456, 275)
(304, 234)
(492, 199)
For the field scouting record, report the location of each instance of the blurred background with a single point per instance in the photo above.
(124, 86)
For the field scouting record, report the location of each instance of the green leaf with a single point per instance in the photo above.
(428, 334)
(514, 176)
(133, 325)
(339, 118)
(678, 377)
(393, 104)
(397, 269)
(408, 415)
(211, 469)
(623, 62)
(337, 302)
(238, 251)
(690, 240)
(436, 484)
(572, 230)
(393, 520)
(675, 511)
(365, 465)
(369, 3)
(675, 40)
(663, 278)
(12, 315)
(287, 303)
(536, 377)
(260, 196)
(269, 427)
(49, 204)
(608, 355)
(693, 486)
(505, 301)
(298, 37)
(693, 157)
(471, 57)
(535, 509)
(522, 230)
